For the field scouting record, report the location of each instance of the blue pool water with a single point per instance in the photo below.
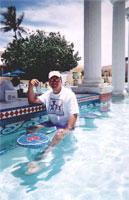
(90, 163)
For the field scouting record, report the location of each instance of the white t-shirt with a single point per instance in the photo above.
(60, 106)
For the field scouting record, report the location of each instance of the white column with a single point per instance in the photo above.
(92, 43)
(127, 16)
(92, 82)
(118, 48)
(128, 50)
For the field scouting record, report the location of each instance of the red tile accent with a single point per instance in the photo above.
(11, 113)
(24, 110)
(20, 112)
(16, 112)
(6, 114)
(105, 97)
(1, 115)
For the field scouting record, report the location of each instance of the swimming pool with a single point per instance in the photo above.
(90, 163)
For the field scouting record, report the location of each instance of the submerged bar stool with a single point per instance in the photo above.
(33, 140)
(36, 140)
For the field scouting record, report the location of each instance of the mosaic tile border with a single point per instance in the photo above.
(21, 111)
(9, 113)
(11, 128)
(85, 99)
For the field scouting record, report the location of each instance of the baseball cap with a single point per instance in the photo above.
(54, 73)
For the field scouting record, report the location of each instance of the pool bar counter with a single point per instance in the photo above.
(20, 113)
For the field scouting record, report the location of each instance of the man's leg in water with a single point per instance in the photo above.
(35, 166)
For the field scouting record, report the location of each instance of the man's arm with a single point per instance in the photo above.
(30, 93)
(71, 123)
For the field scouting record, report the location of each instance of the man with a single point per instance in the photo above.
(61, 105)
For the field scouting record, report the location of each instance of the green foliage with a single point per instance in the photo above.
(40, 53)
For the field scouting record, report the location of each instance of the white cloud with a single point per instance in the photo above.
(60, 15)
(68, 20)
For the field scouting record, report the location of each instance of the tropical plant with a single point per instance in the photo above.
(11, 22)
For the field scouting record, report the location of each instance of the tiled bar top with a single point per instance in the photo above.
(16, 110)
(23, 102)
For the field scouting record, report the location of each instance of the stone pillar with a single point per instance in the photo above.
(92, 43)
(118, 48)
(127, 16)
(92, 48)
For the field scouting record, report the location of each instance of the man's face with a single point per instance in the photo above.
(55, 82)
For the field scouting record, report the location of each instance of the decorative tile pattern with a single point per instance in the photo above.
(28, 112)
(21, 111)
(11, 128)
(105, 102)
(105, 97)
(90, 98)
(9, 113)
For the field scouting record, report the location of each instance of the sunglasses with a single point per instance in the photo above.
(54, 79)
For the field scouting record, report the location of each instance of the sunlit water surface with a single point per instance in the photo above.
(90, 163)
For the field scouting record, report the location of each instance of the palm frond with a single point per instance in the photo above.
(19, 19)
(19, 34)
(5, 29)
(9, 16)
(22, 29)
(3, 22)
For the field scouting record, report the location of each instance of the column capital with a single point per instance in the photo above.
(118, 1)
(127, 13)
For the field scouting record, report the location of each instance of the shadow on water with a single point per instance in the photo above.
(61, 154)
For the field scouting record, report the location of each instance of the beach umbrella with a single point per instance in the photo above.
(9, 74)
(18, 72)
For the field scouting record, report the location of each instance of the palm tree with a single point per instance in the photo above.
(11, 22)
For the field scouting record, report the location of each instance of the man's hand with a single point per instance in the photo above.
(62, 132)
(58, 136)
(34, 82)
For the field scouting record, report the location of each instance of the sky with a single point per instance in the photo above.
(66, 17)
